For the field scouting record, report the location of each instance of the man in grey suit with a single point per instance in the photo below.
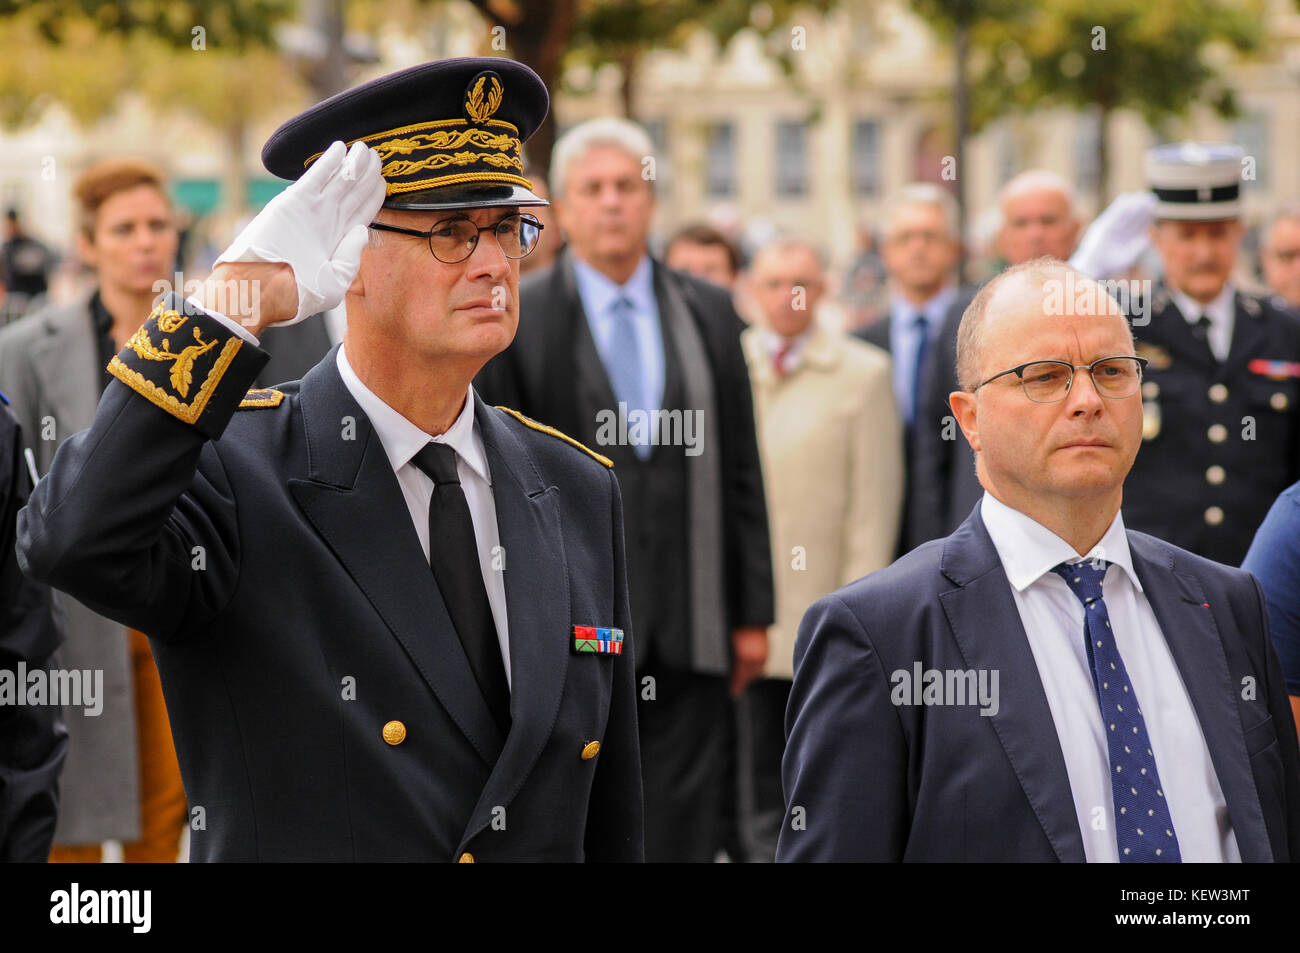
(121, 781)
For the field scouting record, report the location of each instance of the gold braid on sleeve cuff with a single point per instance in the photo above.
(189, 364)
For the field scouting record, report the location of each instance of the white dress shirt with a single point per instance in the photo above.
(598, 294)
(774, 343)
(1221, 312)
(1053, 620)
(402, 440)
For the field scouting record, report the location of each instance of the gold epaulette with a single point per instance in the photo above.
(534, 425)
(262, 397)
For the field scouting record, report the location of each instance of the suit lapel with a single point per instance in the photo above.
(1248, 335)
(1188, 625)
(538, 608)
(67, 365)
(352, 498)
(595, 392)
(986, 625)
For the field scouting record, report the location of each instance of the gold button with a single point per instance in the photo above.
(1214, 516)
(1278, 401)
(1218, 393)
(394, 732)
(590, 749)
(1215, 474)
(1150, 390)
(466, 858)
(1218, 433)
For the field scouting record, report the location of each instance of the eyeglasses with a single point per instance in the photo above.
(453, 240)
(1046, 382)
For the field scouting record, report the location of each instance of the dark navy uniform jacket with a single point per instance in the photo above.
(322, 706)
(1221, 440)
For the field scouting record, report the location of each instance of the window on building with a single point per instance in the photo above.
(1087, 151)
(657, 129)
(720, 163)
(1251, 133)
(865, 160)
(791, 158)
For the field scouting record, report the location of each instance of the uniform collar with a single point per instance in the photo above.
(1028, 550)
(1220, 310)
(402, 439)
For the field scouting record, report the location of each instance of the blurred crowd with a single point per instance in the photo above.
(849, 448)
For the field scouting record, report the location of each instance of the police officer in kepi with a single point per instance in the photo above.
(1221, 391)
(391, 621)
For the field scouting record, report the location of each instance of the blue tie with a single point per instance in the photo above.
(918, 370)
(1144, 831)
(624, 364)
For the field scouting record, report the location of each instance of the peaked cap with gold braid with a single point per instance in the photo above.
(449, 134)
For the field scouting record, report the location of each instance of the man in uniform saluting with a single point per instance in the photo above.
(1221, 433)
(391, 621)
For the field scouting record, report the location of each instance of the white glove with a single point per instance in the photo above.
(318, 226)
(1117, 238)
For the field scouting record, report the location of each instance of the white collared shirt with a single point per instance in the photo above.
(1053, 620)
(773, 344)
(402, 440)
(598, 294)
(1221, 312)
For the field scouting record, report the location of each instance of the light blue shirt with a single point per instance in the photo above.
(599, 293)
(903, 339)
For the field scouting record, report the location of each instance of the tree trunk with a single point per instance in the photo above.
(1103, 159)
(328, 75)
(629, 59)
(234, 180)
(539, 40)
(961, 108)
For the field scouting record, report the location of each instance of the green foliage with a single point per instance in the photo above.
(88, 68)
(1154, 60)
(236, 23)
(611, 30)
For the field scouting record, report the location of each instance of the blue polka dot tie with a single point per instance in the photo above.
(1144, 831)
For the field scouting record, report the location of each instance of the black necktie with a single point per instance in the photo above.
(453, 555)
(1201, 331)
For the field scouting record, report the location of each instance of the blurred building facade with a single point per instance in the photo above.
(866, 109)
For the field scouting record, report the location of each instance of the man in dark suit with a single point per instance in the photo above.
(1221, 429)
(33, 739)
(1043, 685)
(920, 249)
(1038, 218)
(391, 621)
(608, 340)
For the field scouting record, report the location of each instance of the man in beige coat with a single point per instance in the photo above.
(832, 452)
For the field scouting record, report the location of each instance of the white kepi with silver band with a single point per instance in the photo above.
(1196, 181)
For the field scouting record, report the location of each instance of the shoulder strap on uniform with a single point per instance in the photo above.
(261, 397)
(534, 425)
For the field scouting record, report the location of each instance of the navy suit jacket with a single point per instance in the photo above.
(868, 780)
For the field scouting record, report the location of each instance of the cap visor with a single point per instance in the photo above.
(464, 197)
